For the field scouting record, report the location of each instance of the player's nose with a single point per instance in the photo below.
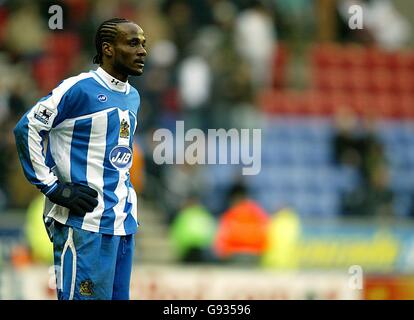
(142, 52)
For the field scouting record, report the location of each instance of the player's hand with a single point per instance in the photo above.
(77, 198)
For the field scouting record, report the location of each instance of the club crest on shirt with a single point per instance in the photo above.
(43, 114)
(124, 131)
(86, 288)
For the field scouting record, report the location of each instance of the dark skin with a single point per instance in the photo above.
(126, 55)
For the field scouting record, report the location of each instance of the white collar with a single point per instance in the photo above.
(112, 82)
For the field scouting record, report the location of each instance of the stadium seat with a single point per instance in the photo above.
(297, 149)
(356, 80)
(64, 45)
(48, 72)
(280, 62)
(375, 58)
(403, 81)
(380, 81)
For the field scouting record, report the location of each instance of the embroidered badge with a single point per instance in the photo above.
(124, 131)
(86, 288)
(43, 114)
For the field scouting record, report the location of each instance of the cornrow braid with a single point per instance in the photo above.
(106, 33)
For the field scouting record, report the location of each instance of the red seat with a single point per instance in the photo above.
(280, 61)
(397, 61)
(63, 44)
(48, 72)
(409, 60)
(325, 56)
(375, 58)
(3, 23)
(370, 81)
(361, 102)
(352, 56)
(356, 80)
(382, 105)
(403, 81)
(313, 103)
(332, 79)
(380, 81)
(272, 101)
(406, 105)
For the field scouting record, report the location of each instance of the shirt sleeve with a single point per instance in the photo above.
(30, 135)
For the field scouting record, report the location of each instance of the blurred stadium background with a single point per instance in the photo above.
(335, 196)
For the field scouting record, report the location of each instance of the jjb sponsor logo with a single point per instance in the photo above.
(121, 157)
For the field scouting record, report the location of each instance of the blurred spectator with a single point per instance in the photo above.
(283, 236)
(17, 104)
(374, 199)
(154, 173)
(194, 79)
(150, 17)
(182, 181)
(236, 193)
(137, 171)
(295, 20)
(242, 229)
(159, 103)
(179, 15)
(346, 148)
(382, 23)
(7, 155)
(361, 150)
(41, 248)
(192, 233)
(255, 41)
(25, 32)
(390, 29)
(344, 32)
(232, 85)
(356, 146)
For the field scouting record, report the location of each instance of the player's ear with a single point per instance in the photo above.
(107, 49)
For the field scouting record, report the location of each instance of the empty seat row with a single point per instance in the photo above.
(323, 103)
(299, 172)
(361, 80)
(353, 56)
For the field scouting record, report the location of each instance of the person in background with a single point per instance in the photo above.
(192, 232)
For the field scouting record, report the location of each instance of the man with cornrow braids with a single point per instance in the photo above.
(90, 210)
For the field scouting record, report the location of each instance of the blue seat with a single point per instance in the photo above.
(392, 132)
(297, 165)
(403, 204)
(402, 180)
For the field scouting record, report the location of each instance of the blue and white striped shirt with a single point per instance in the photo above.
(90, 120)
